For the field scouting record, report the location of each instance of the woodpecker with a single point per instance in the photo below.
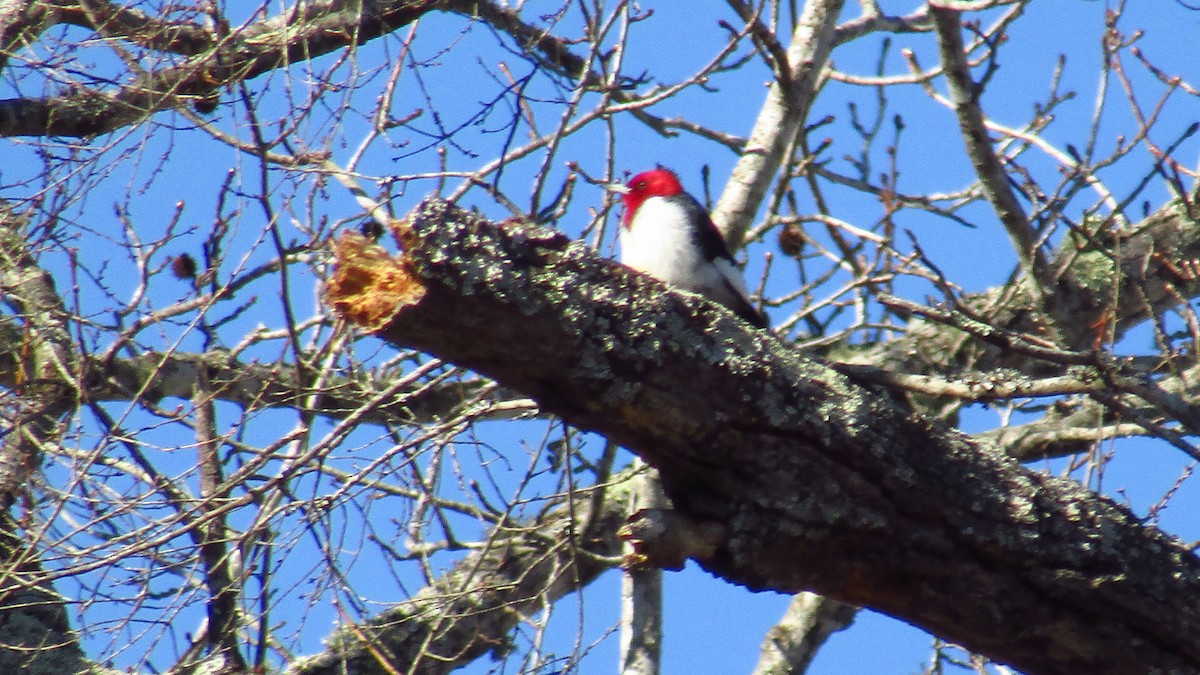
(667, 234)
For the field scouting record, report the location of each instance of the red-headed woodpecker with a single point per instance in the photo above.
(667, 234)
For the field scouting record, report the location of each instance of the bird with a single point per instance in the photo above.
(666, 233)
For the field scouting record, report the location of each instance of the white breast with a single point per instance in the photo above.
(659, 242)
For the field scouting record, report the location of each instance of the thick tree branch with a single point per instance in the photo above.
(20, 20)
(34, 631)
(641, 592)
(813, 481)
(307, 30)
(1145, 267)
(302, 32)
(179, 37)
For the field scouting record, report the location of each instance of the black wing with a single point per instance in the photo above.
(707, 237)
(713, 247)
(744, 309)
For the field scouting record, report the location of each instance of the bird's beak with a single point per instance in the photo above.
(616, 187)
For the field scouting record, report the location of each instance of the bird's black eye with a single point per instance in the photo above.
(641, 185)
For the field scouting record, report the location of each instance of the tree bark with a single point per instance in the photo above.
(35, 636)
(797, 476)
(790, 645)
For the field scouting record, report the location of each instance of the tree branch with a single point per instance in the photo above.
(34, 631)
(789, 647)
(306, 30)
(781, 119)
(471, 610)
(810, 480)
(152, 376)
(964, 92)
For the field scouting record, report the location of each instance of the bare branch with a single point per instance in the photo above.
(152, 376)
(300, 33)
(469, 611)
(782, 117)
(789, 647)
(964, 92)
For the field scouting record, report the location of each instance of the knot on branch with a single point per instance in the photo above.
(662, 538)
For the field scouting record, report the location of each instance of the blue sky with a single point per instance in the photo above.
(711, 625)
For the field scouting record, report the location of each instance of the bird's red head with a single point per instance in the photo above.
(657, 182)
